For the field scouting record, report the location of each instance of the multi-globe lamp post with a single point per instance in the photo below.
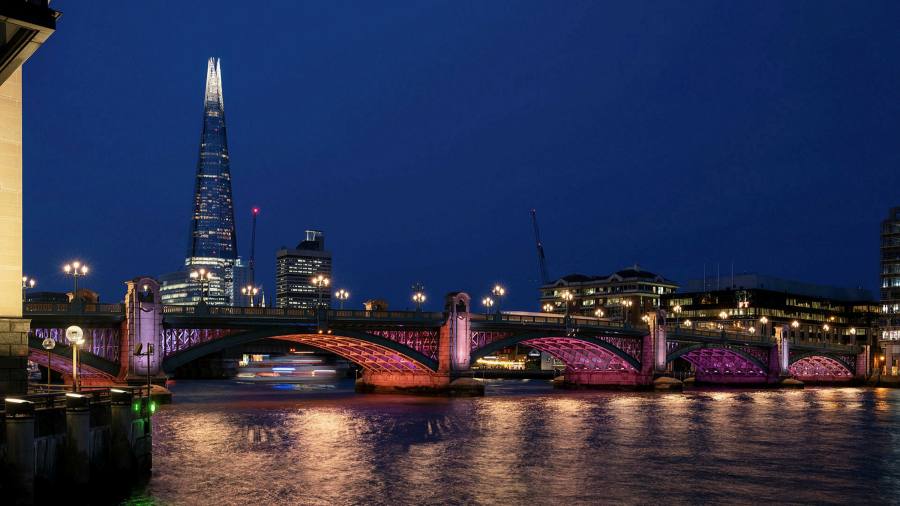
(341, 295)
(499, 292)
(203, 276)
(27, 284)
(418, 298)
(75, 269)
(548, 308)
(599, 313)
(488, 303)
(321, 282)
(567, 297)
(626, 304)
(250, 292)
(677, 311)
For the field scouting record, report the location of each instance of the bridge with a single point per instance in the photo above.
(418, 351)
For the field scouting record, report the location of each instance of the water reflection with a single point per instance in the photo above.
(233, 444)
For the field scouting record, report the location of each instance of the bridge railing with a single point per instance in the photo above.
(72, 308)
(547, 319)
(300, 313)
(757, 338)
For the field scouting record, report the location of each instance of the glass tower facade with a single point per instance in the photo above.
(212, 243)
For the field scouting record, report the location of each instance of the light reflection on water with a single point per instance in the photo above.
(226, 443)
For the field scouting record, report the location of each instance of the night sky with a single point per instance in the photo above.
(418, 135)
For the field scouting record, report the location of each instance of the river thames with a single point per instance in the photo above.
(232, 443)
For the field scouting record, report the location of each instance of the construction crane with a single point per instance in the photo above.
(252, 263)
(542, 261)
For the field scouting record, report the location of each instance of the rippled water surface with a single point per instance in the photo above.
(229, 443)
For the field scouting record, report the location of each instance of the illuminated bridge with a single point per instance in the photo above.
(417, 350)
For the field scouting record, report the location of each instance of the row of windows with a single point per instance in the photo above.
(890, 282)
(644, 288)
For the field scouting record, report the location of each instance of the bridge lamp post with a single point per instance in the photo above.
(677, 311)
(548, 308)
(26, 284)
(499, 292)
(75, 269)
(419, 299)
(203, 276)
(688, 323)
(764, 321)
(567, 297)
(625, 305)
(320, 282)
(342, 295)
(250, 292)
(488, 303)
(825, 329)
(599, 313)
(723, 316)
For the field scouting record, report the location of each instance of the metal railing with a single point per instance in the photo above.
(72, 308)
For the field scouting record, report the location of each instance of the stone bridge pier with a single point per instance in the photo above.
(142, 332)
(454, 349)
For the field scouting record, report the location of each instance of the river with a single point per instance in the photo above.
(232, 443)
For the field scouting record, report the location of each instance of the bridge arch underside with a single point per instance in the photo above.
(588, 360)
(89, 374)
(375, 354)
(723, 365)
(820, 369)
(370, 356)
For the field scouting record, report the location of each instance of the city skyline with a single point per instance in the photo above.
(732, 190)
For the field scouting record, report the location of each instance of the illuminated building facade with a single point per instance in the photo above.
(212, 244)
(632, 292)
(295, 268)
(823, 314)
(890, 291)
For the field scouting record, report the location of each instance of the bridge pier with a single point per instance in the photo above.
(454, 349)
(143, 329)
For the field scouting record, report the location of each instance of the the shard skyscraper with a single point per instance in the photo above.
(212, 243)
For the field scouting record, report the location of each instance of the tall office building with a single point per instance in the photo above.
(295, 269)
(890, 291)
(212, 244)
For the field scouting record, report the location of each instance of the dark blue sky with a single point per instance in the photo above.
(419, 134)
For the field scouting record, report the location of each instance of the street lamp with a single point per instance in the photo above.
(419, 299)
(48, 344)
(488, 303)
(321, 282)
(26, 284)
(567, 297)
(625, 305)
(599, 313)
(250, 291)
(342, 295)
(677, 311)
(688, 323)
(499, 292)
(75, 269)
(76, 337)
(548, 308)
(203, 276)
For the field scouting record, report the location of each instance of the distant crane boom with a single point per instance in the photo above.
(542, 261)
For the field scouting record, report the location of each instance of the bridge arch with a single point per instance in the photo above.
(61, 360)
(577, 352)
(717, 359)
(814, 366)
(371, 352)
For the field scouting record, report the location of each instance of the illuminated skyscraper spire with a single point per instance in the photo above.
(212, 236)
